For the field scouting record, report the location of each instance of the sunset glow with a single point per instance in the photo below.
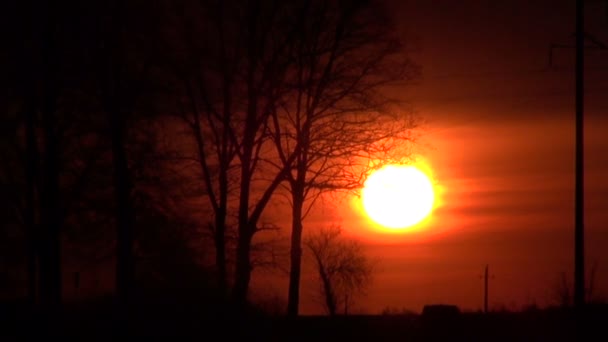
(398, 197)
(383, 170)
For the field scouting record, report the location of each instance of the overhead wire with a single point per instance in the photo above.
(524, 98)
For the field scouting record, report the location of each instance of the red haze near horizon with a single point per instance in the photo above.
(499, 137)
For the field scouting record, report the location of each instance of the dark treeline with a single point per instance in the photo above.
(154, 134)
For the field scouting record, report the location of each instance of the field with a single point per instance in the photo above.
(166, 322)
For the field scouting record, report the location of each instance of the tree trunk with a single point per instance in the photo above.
(115, 111)
(124, 211)
(50, 260)
(243, 267)
(330, 299)
(220, 249)
(243, 262)
(219, 205)
(245, 230)
(224, 158)
(298, 195)
(30, 201)
(293, 297)
(50, 247)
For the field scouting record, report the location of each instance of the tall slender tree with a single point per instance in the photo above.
(271, 31)
(232, 74)
(206, 71)
(116, 104)
(31, 213)
(50, 242)
(336, 117)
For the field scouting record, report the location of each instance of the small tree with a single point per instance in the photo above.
(343, 269)
(563, 291)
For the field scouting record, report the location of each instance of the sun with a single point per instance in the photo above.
(398, 196)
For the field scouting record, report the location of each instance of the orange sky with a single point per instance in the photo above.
(500, 140)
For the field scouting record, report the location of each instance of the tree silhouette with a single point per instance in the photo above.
(46, 161)
(562, 291)
(231, 76)
(342, 268)
(116, 106)
(335, 116)
(271, 30)
(211, 59)
(305, 77)
(124, 80)
(50, 245)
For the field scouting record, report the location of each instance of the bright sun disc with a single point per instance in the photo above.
(398, 196)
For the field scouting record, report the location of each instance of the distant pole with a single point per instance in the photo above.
(579, 230)
(485, 290)
(345, 304)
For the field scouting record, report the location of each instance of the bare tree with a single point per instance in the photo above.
(343, 269)
(123, 77)
(50, 242)
(590, 291)
(271, 29)
(563, 292)
(275, 91)
(206, 72)
(336, 116)
(114, 102)
(49, 123)
(232, 75)
(23, 68)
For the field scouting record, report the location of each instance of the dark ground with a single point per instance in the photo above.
(166, 321)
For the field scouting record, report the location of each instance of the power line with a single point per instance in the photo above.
(547, 70)
(521, 100)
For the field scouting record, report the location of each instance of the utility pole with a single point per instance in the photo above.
(579, 230)
(579, 185)
(486, 277)
(485, 290)
(579, 179)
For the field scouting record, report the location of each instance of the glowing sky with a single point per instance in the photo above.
(499, 137)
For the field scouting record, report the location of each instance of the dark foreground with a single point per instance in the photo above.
(167, 322)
